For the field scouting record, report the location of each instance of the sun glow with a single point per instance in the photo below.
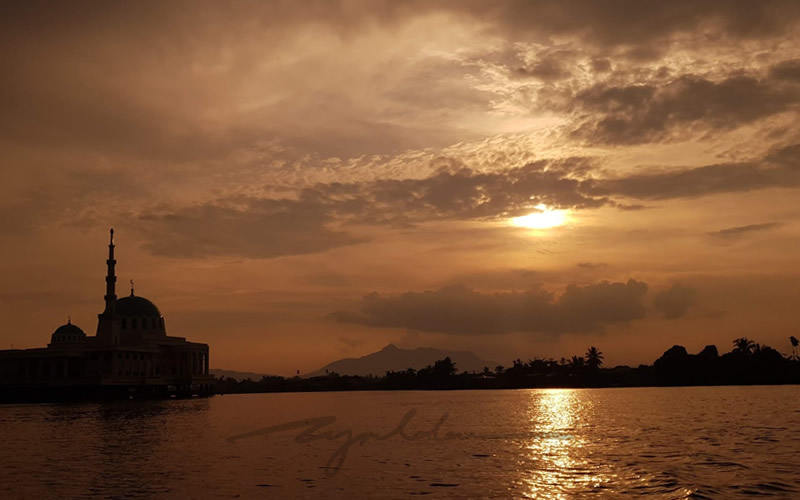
(542, 219)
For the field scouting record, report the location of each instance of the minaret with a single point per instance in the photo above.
(111, 278)
(107, 328)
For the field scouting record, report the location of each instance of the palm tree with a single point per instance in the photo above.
(594, 358)
(794, 342)
(576, 365)
(744, 345)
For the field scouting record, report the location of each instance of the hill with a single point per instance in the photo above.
(394, 358)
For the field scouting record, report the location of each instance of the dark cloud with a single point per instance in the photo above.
(601, 65)
(608, 23)
(256, 227)
(633, 22)
(787, 157)
(592, 265)
(631, 208)
(779, 168)
(460, 310)
(462, 193)
(735, 232)
(692, 182)
(151, 80)
(652, 113)
(786, 70)
(551, 67)
(674, 301)
(644, 53)
(456, 192)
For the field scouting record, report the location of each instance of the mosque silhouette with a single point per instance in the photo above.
(131, 355)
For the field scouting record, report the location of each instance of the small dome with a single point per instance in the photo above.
(68, 329)
(136, 307)
(67, 334)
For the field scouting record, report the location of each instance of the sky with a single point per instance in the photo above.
(297, 182)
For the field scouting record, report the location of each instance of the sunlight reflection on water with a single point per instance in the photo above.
(666, 443)
(558, 470)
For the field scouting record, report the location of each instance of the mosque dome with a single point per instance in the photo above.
(67, 334)
(139, 314)
(135, 306)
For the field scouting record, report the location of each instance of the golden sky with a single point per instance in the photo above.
(296, 182)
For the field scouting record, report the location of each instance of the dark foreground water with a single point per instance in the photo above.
(701, 442)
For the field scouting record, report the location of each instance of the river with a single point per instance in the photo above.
(689, 442)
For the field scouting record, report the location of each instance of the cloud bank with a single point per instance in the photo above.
(459, 310)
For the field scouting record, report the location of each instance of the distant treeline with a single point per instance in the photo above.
(746, 364)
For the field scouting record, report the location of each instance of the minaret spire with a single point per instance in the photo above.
(111, 278)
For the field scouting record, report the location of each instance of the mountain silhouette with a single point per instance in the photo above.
(394, 358)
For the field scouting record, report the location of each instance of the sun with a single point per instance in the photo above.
(543, 219)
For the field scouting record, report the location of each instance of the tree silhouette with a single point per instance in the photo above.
(444, 368)
(594, 358)
(576, 363)
(762, 365)
(744, 345)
